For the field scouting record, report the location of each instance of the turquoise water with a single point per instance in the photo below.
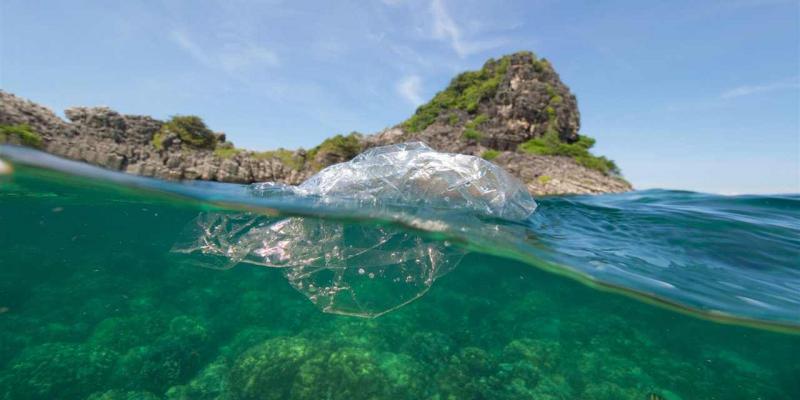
(654, 294)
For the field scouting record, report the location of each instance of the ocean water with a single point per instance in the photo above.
(646, 295)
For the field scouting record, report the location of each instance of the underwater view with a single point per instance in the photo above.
(121, 287)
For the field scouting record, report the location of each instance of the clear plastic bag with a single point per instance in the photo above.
(364, 269)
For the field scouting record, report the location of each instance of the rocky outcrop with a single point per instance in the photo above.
(491, 112)
(104, 137)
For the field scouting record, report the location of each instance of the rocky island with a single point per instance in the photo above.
(515, 112)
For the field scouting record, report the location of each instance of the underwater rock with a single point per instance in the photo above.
(247, 338)
(210, 384)
(430, 347)
(356, 269)
(348, 373)
(172, 358)
(611, 391)
(123, 395)
(262, 372)
(407, 378)
(123, 333)
(545, 355)
(57, 370)
(299, 368)
(468, 375)
(11, 343)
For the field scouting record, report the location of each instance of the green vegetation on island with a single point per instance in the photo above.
(226, 150)
(490, 154)
(348, 146)
(544, 179)
(338, 148)
(334, 149)
(472, 134)
(465, 92)
(471, 130)
(287, 157)
(190, 129)
(551, 145)
(20, 134)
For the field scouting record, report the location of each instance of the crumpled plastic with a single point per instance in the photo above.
(412, 175)
(357, 268)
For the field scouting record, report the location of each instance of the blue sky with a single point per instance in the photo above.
(682, 94)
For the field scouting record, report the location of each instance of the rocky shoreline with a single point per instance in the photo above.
(515, 111)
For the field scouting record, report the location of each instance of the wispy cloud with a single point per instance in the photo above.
(410, 88)
(445, 28)
(188, 45)
(230, 58)
(246, 55)
(747, 90)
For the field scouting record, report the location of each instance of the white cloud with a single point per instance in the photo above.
(764, 88)
(445, 28)
(410, 88)
(246, 55)
(231, 58)
(187, 44)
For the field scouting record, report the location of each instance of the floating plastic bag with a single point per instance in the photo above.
(412, 175)
(360, 269)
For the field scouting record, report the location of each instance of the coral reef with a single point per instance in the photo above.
(57, 370)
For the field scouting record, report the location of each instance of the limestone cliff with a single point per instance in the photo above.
(514, 111)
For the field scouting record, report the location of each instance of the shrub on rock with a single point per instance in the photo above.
(190, 129)
(21, 134)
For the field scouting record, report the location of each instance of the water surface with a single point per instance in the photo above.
(674, 294)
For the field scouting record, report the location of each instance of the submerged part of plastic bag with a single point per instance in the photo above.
(351, 269)
(358, 268)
